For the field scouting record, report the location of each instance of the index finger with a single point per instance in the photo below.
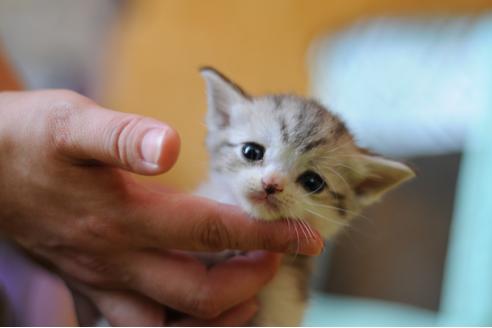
(186, 222)
(191, 287)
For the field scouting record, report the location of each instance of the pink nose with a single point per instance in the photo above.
(272, 184)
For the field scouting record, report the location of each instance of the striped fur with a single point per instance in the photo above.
(298, 135)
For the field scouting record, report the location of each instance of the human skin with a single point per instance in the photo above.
(67, 197)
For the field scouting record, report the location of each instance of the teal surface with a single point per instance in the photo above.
(467, 288)
(467, 292)
(332, 310)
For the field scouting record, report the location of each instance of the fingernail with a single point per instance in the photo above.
(152, 145)
(306, 247)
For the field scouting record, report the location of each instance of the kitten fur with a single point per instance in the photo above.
(298, 135)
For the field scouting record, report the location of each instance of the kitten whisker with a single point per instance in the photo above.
(338, 164)
(338, 175)
(308, 229)
(339, 146)
(349, 167)
(301, 225)
(336, 208)
(298, 240)
(372, 175)
(312, 232)
(288, 224)
(342, 224)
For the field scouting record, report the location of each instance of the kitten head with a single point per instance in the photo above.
(284, 156)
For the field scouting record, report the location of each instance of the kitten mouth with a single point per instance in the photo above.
(262, 198)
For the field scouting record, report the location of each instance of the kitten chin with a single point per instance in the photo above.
(261, 208)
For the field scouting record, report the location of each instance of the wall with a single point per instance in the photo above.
(152, 69)
(8, 80)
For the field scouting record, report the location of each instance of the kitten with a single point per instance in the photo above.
(287, 157)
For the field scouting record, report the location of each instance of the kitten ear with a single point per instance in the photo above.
(382, 175)
(222, 94)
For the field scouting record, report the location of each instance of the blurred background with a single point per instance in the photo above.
(410, 78)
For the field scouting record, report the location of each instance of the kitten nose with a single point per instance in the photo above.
(271, 187)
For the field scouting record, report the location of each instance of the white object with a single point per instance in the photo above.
(405, 86)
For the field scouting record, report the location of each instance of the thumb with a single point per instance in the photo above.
(135, 143)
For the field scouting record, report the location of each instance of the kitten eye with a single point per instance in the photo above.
(252, 151)
(312, 182)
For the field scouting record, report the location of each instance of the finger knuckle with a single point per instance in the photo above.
(58, 121)
(99, 270)
(121, 134)
(212, 233)
(203, 305)
(96, 227)
(95, 264)
(274, 240)
(66, 95)
(272, 243)
(90, 270)
(93, 278)
(62, 106)
(100, 232)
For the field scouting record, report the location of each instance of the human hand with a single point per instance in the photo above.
(66, 197)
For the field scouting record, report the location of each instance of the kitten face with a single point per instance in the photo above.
(284, 156)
